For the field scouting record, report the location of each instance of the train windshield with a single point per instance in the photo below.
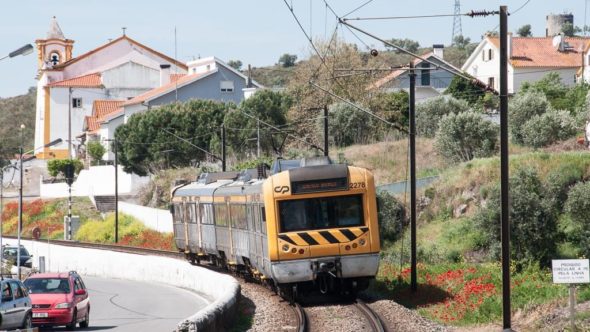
(321, 212)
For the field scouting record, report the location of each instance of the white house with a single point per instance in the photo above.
(118, 70)
(529, 59)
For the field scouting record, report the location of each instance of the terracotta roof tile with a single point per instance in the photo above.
(540, 52)
(100, 110)
(164, 88)
(86, 81)
(174, 77)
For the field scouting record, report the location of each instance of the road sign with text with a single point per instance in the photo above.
(570, 271)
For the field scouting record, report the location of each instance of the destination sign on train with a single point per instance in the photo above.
(308, 187)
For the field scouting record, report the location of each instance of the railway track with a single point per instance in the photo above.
(372, 317)
(337, 317)
(110, 247)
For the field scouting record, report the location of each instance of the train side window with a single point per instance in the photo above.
(263, 218)
(178, 213)
(250, 216)
(206, 213)
(190, 213)
(221, 215)
(238, 216)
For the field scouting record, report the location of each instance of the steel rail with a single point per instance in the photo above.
(302, 323)
(372, 317)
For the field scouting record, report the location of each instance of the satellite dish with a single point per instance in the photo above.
(556, 42)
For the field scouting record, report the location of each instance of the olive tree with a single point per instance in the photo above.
(464, 136)
(429, 113)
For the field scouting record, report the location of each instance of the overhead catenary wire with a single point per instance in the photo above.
(282, 131)
(358, 107)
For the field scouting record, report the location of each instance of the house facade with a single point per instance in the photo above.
(68, 86)
(529, 59)
(431, 79)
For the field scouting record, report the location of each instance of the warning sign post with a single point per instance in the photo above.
(572, 272)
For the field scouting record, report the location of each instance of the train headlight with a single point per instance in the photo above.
(285, 247)
(362, 242)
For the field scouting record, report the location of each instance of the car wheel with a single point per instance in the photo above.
(72, 325)
(28, 322)
(86, 320)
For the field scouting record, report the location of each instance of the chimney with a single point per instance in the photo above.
(509, 45)
(438, 50)
(249, 79)
(164, 74)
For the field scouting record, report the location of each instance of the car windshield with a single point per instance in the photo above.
(11, 251)
(48, 285)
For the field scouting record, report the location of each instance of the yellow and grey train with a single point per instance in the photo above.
(310, 224)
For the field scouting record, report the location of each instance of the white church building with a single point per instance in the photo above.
(69, 86)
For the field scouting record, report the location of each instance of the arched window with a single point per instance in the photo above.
(54, 58)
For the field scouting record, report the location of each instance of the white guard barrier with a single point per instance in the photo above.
(221, 289)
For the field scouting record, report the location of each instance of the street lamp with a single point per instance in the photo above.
(27, 49)
(20, 190)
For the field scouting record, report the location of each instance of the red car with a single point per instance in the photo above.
(59, 299)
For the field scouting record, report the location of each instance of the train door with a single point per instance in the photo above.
(263, 238)
(253, 239)
(239, 231)
(192, 227)
(207, 228)
(222, 232)
(178, 226)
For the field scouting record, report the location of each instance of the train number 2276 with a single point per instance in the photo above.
(356, 185)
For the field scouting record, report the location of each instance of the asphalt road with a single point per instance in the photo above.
(121, 305)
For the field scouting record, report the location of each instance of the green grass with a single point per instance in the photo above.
(466, 294)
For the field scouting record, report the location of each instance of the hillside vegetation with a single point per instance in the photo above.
(15, 111)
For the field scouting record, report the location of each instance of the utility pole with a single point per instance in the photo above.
(257, 134)
(20, 200)
(70, 123)
(223, 147)
(326, 130)
(504, 163)
(116, 191)
(412, 115)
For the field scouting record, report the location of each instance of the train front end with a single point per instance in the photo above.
(324, 232)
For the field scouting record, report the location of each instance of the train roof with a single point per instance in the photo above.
(250, 181)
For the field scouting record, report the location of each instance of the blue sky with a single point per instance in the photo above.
(255, 31)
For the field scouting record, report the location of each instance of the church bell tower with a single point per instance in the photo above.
(55, 49)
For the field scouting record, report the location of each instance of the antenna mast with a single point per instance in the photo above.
(457, 30)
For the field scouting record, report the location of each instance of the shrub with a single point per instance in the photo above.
(577, 207)
(104, 231)
(392, 216)
(58, 166)
(548, 128)
(523, 107)
(96, 150)
(429, 113)
(464, 136)
(533, 225)
(349, 125)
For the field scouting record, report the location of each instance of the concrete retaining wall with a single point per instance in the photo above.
(96, 181)
(221, 289)
(156, 219)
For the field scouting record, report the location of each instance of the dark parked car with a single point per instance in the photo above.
(9, 253)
